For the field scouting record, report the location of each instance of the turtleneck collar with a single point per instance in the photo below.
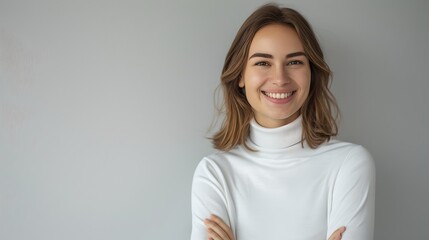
(276, 138)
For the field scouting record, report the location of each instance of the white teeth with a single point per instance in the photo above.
(278, 95)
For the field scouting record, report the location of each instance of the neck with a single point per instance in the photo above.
(276, 138)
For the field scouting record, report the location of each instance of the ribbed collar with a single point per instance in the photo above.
(276, 138)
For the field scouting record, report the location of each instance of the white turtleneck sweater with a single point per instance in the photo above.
(283, 191)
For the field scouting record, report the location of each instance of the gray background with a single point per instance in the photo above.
(105, 106)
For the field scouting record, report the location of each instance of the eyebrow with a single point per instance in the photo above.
(266, 55)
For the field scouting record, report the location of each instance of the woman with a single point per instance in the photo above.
(279, 174)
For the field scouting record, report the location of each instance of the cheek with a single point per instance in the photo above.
(304, 80)
(254, 79)
(308, 82)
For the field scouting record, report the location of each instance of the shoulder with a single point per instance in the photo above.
(358, 155)
(347, 155)
(355, 159)
(218, 164)
(347, 150)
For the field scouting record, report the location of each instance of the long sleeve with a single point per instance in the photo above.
(353, 197)
(209, 196)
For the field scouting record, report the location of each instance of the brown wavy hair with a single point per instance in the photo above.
(319, 111)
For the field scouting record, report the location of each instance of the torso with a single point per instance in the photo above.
(280, 192)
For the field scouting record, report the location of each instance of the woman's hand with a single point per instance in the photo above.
(338, 234)
(217, 229)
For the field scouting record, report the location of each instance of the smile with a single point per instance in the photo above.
(278, 95)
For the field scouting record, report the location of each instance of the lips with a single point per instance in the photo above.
(279, 95)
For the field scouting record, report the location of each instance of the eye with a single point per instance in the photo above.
(263, 64)
(295, 62)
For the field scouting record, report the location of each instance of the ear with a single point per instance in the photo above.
(241, 82)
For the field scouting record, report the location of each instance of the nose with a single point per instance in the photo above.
(280, 76)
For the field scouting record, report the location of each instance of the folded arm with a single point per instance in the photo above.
(353, 196)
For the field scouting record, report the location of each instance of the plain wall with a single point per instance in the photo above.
(105, 107)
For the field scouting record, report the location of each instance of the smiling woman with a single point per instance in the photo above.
(277, 76)
(279, 174)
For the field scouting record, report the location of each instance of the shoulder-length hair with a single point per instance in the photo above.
(319, 124)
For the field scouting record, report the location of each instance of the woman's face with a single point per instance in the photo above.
(277, 76)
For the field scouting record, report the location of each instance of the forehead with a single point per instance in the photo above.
(276, 38)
